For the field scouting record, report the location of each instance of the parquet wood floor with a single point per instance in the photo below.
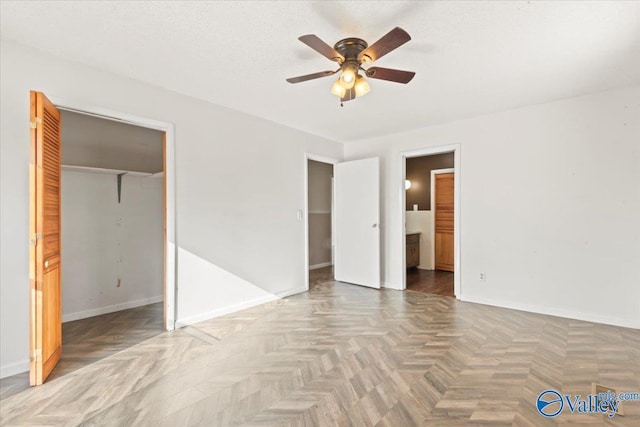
(320, 275)
(86, 341)
(430, 281)
(349, 356)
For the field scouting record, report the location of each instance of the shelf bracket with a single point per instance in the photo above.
(120, 185)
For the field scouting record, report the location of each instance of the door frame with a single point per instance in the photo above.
(170, 285)
(305, 213)
(429, 151)
(435, 172)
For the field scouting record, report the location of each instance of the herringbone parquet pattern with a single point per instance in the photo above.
(88, 340)
(346, 355)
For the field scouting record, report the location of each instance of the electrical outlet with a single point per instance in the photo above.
(483, 277)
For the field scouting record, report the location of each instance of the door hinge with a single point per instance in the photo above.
(37, 355)
(36, 237)
(34, 124)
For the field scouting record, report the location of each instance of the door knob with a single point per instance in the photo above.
(46, 264)
(375, 225)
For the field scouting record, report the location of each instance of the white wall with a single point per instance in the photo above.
(103, 241)
(95, 142)
(422, 222)
(550, 205)
(239, 186)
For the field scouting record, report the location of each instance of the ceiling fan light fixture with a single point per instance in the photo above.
(351, 53)
(361, 86)
(348, 76)
(338, 89)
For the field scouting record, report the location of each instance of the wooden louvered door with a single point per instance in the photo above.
(44, 227)
(444, 189)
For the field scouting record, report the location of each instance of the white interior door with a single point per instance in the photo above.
(357, 222)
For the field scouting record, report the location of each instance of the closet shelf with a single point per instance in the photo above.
(89, 169)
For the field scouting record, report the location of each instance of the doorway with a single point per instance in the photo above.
(355, 220)
(46, 301)
(112, 216)
(430, 220)
(320, 222)
(112, 237)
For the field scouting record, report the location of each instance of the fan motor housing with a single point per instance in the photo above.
(350, 48)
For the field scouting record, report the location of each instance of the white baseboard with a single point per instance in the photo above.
(237, 307)
(14, 368)
(110, 309)
(387, 285)
(567, 314)
(321, 265)
(224, 310)
(290, 292)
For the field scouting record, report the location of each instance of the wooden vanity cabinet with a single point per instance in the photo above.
(413, 250)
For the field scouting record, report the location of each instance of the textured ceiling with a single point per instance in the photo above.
(471, 58)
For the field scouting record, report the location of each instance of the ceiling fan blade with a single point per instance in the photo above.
(390, 41)
(311, 76)
(389, 74)
(321, 47)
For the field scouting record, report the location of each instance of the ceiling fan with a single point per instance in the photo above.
(351, 53)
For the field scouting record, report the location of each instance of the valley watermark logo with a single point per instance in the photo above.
(550, 403)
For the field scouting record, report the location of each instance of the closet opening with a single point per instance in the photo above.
(112, 237)
(319, 221)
